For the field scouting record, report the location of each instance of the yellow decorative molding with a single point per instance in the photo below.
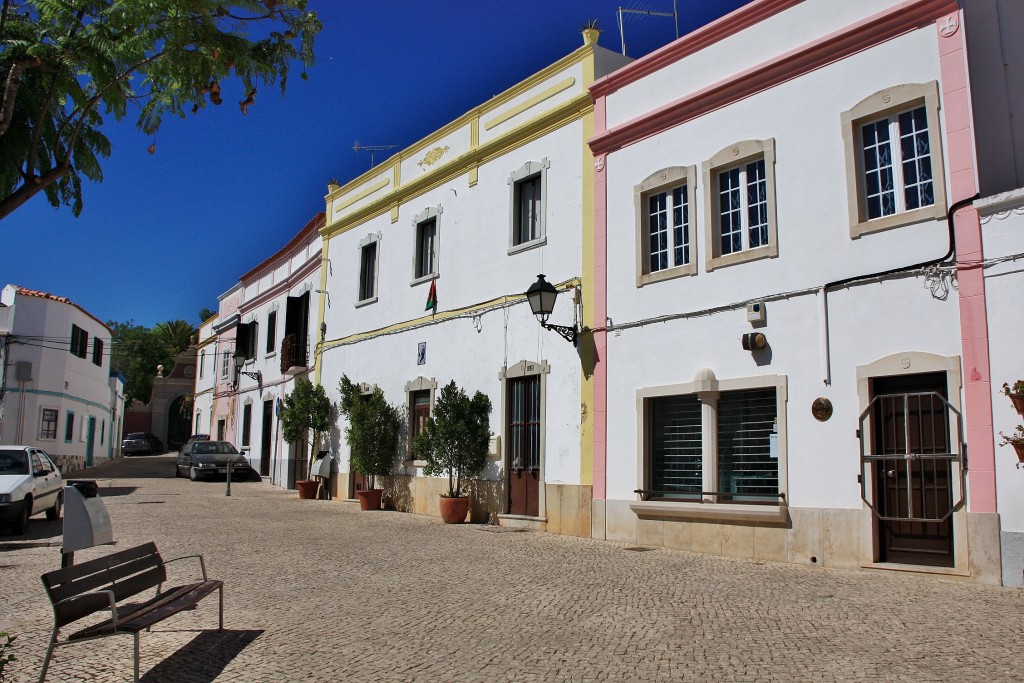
(380, 184)
(530, 103)
(433, 156)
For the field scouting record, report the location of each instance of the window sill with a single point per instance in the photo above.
(425, 278)
(270, 354)
(721, 512)
(770, 250)
(526, 246)
(896, 220)
(414, 463)
(366, 302)
(667, 274)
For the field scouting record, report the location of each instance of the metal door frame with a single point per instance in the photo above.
(867, 459)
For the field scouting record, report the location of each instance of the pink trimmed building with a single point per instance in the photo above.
(807, 220)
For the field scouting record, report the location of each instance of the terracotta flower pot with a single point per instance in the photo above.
(453, 510)
(369, 499)
(307, 488)
(1018, 403)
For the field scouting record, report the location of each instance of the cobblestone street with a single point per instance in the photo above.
(318, 591)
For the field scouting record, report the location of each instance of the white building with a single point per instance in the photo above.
(206, 374)
(275, 330)
(780, 376)
(56, 390)
(473, 212)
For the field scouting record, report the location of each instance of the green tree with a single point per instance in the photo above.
(372, 432)
(205, 314)
(136, 352)
(457, 437)
(307, 409)
(175, 335)
(65, 64)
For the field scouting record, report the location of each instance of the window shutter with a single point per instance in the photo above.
(676, 446)
(746, 422)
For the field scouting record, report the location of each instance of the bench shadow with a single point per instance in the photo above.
(204, 657)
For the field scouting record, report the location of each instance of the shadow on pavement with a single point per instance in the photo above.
(203, 658)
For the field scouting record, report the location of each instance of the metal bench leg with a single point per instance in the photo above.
(49, 654)
(136, 634)
(220, 625)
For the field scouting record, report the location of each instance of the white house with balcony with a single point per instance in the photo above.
(56, 390)
(426, 260)
(805, 311)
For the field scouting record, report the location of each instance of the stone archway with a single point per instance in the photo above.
(179, 422)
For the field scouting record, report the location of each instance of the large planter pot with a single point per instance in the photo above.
(1019, 447)
(1018, 403)
(453, 510)
(369, 499)
(307, 488)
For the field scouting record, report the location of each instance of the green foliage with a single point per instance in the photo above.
(456, 437)
(175, 335)
(372, 432)
(307, 409)
(6, 656)
(205, 314)
(65, 64)
(136, 351)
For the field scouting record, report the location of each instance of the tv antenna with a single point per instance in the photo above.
(372, 149)
(650, 13)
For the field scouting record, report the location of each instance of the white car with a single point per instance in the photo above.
(29, 484)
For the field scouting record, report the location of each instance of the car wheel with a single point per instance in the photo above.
(21, 522)
(177, 470)
(54, 512)
(193, 474)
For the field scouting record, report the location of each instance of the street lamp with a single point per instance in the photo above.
(542, 295)
(239, 359)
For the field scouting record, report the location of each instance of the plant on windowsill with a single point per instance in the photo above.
(455, 442)
(1015, 439)
(372, 434)
(1016, 394)
(307, 409)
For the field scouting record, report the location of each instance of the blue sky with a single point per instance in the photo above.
(164, 234)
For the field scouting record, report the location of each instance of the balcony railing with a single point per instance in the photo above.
(294, 355)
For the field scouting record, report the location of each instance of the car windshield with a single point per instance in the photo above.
(210, 447)
(136, 435)
(13, 462)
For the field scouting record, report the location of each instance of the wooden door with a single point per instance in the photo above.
(908, 417)
(524, 436)
(267, 437)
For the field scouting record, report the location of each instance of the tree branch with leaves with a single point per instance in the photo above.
(66, 64)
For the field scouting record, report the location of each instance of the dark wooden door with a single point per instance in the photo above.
(524, 436)
(909, 418)
(267, 437)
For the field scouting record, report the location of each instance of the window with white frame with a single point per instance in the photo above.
(225, 364)
(893, 159)
(79, 341)
(739, 204)
(48, 424)
(271, 331)
(202, 363)
(714, 441)
(97, 351)
(664, 209)
(528, 190)
(425, 264)
(368, 269)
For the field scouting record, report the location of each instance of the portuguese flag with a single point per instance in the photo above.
(432, 297)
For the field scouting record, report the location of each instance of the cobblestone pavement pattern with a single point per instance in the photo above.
(318, 591)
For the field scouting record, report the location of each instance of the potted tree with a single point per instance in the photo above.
(307, 409)
(372, 434)
(1016, 394)
(455, 442)
(1015, 439)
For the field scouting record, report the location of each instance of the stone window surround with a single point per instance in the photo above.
(661, 181)
(878, 105)
(373, 237)
(431, 212)
(528, 170)
(42, 416)
(708, 387)
(734, 155)
(419, 384)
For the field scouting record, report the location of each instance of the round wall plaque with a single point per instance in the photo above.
(821, 409)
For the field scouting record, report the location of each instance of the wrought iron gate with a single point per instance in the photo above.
(915, 442)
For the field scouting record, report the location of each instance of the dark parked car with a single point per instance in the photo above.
(202, 458)
(141, 442)
(191, 439)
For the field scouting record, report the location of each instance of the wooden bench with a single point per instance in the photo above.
(107, 582)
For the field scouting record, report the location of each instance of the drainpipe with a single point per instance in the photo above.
(948, 259)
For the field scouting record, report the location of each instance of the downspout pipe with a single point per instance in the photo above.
(949, 258)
